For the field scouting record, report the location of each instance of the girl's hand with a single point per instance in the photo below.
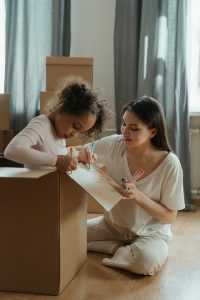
(84, 155)
(129, 191)
(65, 163)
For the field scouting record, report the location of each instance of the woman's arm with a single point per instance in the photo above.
(155, 209)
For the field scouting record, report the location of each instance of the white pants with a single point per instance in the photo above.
(141, 255)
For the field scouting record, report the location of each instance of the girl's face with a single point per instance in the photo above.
(67, 126)
(135, 131)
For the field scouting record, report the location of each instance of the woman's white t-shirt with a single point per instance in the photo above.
(163, 185)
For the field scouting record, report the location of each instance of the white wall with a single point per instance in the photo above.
(92, 27)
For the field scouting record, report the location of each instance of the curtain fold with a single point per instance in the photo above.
(150, 59)
(34, 30)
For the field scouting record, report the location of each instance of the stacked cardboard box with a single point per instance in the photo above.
(58, 68)
(6, 133)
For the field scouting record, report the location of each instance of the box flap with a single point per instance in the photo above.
(98, 184)
(67, 60)
(24, 172)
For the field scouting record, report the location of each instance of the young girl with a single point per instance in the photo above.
(136, 231)
(42, 143)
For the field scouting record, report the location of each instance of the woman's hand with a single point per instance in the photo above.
(130, 191)
(65, 163)
(154, 208)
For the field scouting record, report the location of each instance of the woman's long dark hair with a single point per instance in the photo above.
(149, 111)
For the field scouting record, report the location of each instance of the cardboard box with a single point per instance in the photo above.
(45, 98)
(5, 138)
(94, 207)
(4, 162)
(4, 112)
(60, 67)
(42, 229)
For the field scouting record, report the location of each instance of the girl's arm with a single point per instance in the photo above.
(20, 150)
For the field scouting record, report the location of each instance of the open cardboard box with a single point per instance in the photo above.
(42, 228)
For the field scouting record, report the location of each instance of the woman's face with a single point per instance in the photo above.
(135, 131)
(67, 126)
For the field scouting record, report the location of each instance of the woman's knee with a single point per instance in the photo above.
(92, 228)
(150, 258)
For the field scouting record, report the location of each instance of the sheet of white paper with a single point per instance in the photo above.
(98, 184)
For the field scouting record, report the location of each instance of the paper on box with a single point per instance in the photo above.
(98, 184)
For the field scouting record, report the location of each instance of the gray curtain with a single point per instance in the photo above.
(34, 29)
(150, 58)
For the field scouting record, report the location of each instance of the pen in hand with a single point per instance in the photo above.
(124, 183)
(71, 151)
(133, 179)
(91, 154)
(138, 173)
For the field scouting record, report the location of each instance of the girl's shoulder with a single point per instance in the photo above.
(41, 119)
(39, 124)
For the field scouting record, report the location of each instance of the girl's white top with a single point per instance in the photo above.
(37, 145)
(163, 185)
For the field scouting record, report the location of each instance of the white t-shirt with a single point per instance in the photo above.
(36, 145)
(164, 185)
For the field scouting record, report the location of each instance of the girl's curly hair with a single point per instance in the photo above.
(77, 98)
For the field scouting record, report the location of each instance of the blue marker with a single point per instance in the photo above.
(124, 183)
(92, 152)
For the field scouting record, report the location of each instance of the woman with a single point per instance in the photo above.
(136, 231)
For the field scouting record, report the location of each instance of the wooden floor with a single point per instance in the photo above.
(179, 279)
